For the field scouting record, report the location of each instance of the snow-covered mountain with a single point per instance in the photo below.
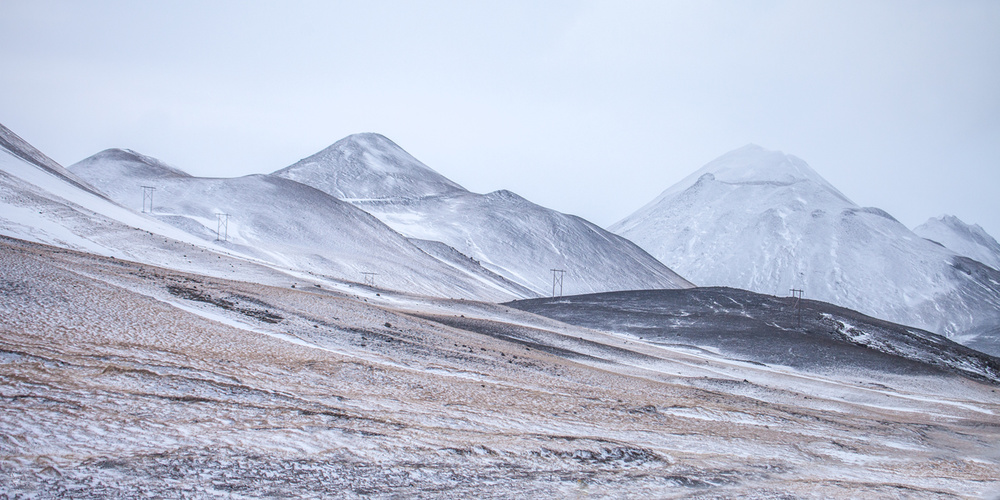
(969, 240)
(286, 223)
(765, 221)
(502, 231)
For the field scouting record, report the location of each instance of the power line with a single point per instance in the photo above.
(798, 304)
(557, 279)
(147, 195)
(370, 278)
(222, 227)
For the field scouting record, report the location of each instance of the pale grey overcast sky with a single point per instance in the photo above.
(590, 108)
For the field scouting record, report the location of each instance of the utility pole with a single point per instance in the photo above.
(147, 194)
(370, 278)
(222, 227)
(798, 305)
(557, 278)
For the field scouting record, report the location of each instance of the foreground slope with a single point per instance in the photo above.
(971, 241)
(507, 234)
(145, 381)
(284, 222)
(765, 221)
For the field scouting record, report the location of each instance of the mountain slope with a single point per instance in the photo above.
(969, 240)
(283, 222)
(508, 235)
(43, 202)
(766, 222)
(808, 335)
(17, 147)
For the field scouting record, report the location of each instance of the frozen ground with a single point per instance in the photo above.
(120, 380)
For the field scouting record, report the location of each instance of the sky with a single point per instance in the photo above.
(588, 107)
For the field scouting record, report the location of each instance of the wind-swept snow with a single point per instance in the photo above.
(14, 145)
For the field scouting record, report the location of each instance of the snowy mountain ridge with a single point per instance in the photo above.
(153, 167)
(41, 201)
(969, 240)
(509, 235)
(298, 227)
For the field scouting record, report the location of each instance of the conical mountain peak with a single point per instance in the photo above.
(368, 166)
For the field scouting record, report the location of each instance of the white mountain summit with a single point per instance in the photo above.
(507, 234)
(765, 221)
(369, 167)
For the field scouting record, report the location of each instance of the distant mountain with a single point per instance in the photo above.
(287, 223)
(517, 239)
(765, 221)
(969, 240)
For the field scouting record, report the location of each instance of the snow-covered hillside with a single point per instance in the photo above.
(43, 202)
(507, 234)
(15, 146)
(765, 221)
(286, 223)
(969, 240)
